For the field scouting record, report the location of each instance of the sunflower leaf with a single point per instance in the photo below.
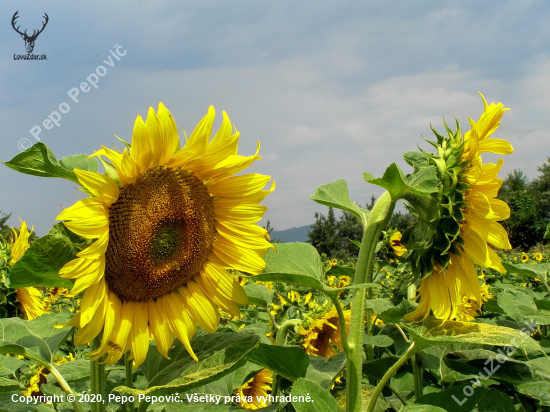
(324, 371)
(40, 264)
(312, 397)
(295, 263)
(533, 271)
(258, 295)
(290, 362)
(219, 354)
(34, 339)
(421, 183)
(79, 161)
(453, 399)
(335, 194)
(437, 332)
(39, 160)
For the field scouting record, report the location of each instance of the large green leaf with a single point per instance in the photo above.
(396, 313)
(496, 401)
(537, 390)
(324, 371)
(378, 368)
(461, 398)
(489, 364)
(288, 361)
(421, 183)
(75, 371)
(258, 295)
(40, 264)
(80, 161)
(438, 332)
(219, 354)
(522, 308)
(295, 263)
(335, 194)
(40, 161)
(10, 364)
(414, 407)
(10, 385)
(533, 271)
(34, 339)
(7, 405)
(312, 397)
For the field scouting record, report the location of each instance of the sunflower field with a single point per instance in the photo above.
(160, 292)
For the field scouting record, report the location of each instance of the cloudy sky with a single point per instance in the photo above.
(331, 89)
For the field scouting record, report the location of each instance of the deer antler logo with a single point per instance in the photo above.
(29, 40)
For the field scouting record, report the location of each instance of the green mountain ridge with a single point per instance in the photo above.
(294, 234)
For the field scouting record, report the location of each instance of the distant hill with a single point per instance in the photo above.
(295, 234)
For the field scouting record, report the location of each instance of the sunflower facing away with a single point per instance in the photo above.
(323, 333)
(30, 298)
(256, 390)
(472, 212)
(165, 227)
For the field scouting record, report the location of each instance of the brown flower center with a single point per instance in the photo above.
(161, 230)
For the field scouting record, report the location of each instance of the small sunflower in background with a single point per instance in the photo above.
(166, 222)
(538, 256)
(323, 334)
(395, 243)
(524, 257)
(468, 222)
(257, 388)
(30, 299)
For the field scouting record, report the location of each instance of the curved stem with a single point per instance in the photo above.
(129, 379)
(62, 382)
(341, 320)
(410, 352)
(97, 378)
(280, 340)
(378, 218)
(418, 377)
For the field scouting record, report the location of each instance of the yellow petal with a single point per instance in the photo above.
(170, 135)
(159, 327)
(140, 333)
(200, 307)
(180, 322)
(98, 184)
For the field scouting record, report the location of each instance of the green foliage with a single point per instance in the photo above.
(529, 203)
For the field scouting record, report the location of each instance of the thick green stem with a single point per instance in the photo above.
(97, 378)
(410, 352)
(378, 218)
(341, 320)
(418, 377)
(280, 340)
(129, 379)
(62, 382)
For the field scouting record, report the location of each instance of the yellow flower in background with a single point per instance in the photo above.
(29, 297)
(323, 333)
(257, 388)
(164, 237)
(395, 243)
(524, 257)
(538, 256)
(37, 378)
(20, 243)
(344, 281)
(307, 298)
(294, 296)
(443, 291)
(282, 300)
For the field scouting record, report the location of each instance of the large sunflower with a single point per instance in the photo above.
(473, 204)
(165, 226)
(29, 298)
